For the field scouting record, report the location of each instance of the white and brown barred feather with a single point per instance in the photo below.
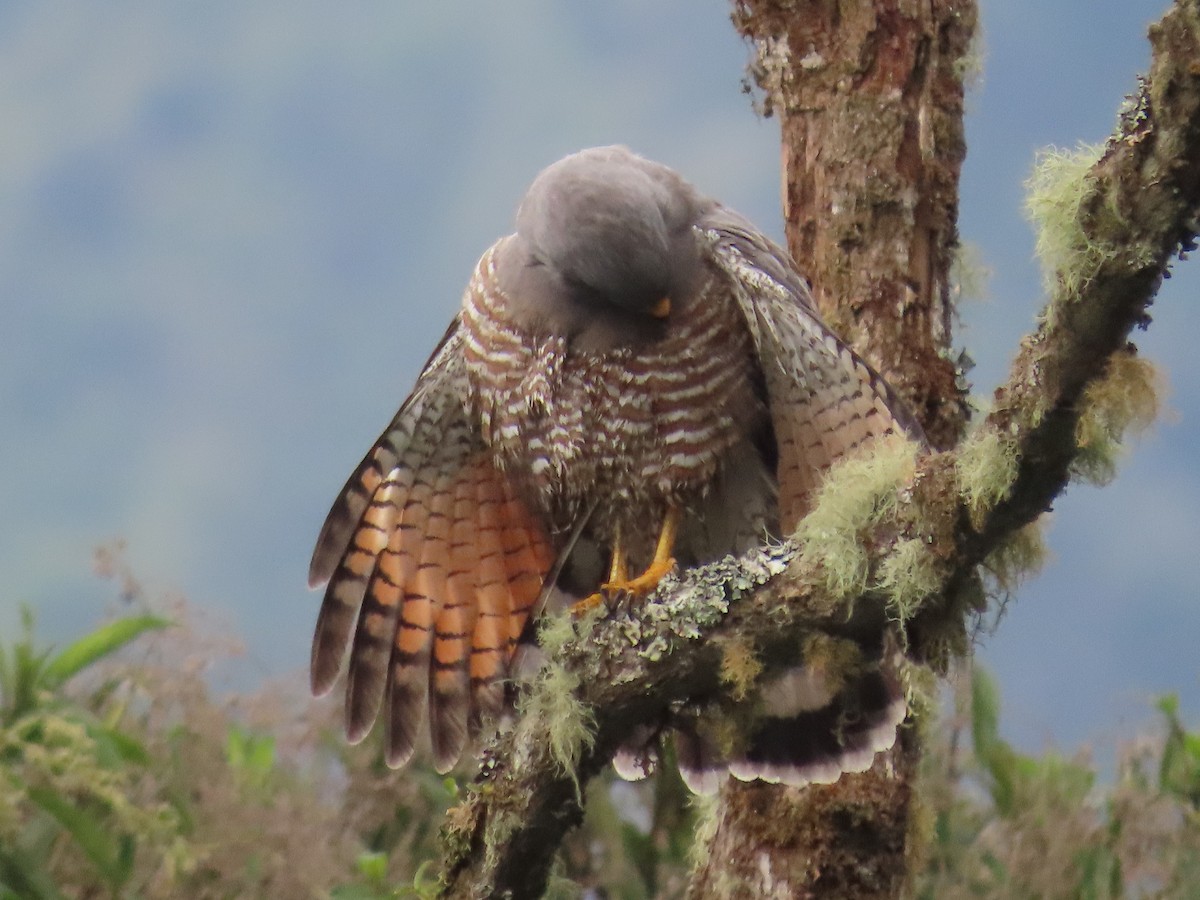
(825, 401)
(433, 564)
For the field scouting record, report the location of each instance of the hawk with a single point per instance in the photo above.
(637, 379)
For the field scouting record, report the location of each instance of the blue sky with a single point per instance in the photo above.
(232, 232)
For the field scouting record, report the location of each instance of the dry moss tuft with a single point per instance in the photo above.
(969, 273)
(835, 659)
(1125, 399)
(1019, 555)
(857, 494)
(1056, 190)
(986, 467)
(740, 667)
(552, 709)
(907, 576)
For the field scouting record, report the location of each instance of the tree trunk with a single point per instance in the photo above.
(870, 101)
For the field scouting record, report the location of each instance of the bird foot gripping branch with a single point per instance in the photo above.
(619, 583)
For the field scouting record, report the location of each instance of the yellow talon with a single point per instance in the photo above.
(619, 581)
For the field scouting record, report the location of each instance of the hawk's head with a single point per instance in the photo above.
(604, 249)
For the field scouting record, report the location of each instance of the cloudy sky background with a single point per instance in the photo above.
(232, 232)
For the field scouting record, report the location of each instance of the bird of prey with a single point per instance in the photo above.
(637, 379)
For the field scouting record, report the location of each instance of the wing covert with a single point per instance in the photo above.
(824, 399)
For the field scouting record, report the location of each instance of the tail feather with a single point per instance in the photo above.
(820, 735)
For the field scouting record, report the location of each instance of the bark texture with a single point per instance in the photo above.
(1140, 205)
(870, 102)
(869, 97)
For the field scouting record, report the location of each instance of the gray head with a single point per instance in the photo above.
(604, 237)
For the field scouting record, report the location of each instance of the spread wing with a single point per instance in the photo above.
(825, 401)
(433, 563)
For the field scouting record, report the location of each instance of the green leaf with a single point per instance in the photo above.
(114, 747)
(1179, 769)
(985, 711)
(1168, 704)
(113, 858)
(23, 876)
(372, 866)
(22, 672)
(250, 755)
(105, 640)
(261, 759)
(356, 892)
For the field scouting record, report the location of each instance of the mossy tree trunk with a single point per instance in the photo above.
(869, 98)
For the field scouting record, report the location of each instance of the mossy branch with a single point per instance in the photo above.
(1111, 231)
(908, 547)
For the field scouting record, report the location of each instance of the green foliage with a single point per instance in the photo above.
(1179, 771)
(636, 839)
(250, 756)
(29, 675)
(1046, 827)
(66, 772)
(127, 779)
(95, 646)
(1015, 781)
(372, 868)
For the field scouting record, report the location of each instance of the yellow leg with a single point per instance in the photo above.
(618, 569)
(619, 581)
(662, 563)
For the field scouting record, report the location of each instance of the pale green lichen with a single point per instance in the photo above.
(1124, 399)
(708, 817)
(836, 659)
(1055, 192)
(740, 666)
(687, 606)
(908, 575)
(922, 691)
(969, 67)
(857, 494)
(551, 711)
(1019, 555)
(969, 274)
(986, 467)
(502, 824)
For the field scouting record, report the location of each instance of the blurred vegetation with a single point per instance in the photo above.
(1006, 824)
(123, 775)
